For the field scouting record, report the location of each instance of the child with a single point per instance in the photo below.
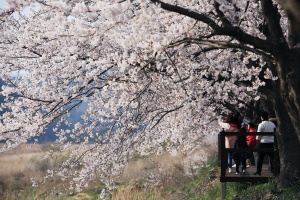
(251, 141)
(240, 157)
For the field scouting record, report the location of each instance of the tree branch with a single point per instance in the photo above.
(197, 16)
(164, 113)
(228, 30)
(272, 19)
(220, 45)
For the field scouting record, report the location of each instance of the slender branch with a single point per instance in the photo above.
(219, 45)
(188, 13)
(228, 30)
(33, 99)
(176, 71)
(14, 130)
(196, 54)
(164, 113)
(221, 15)
(22, 57)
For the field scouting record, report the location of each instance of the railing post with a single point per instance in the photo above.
(219, 149)
(224, 155)
(223, 187)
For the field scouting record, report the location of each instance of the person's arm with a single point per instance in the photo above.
(259, 129)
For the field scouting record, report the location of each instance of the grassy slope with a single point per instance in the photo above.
(206, 186)
(17, 168)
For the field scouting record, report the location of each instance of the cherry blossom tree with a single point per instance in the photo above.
(156, 73)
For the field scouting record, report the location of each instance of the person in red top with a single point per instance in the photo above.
(251, 141)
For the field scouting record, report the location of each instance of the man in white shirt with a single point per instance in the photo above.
(265, 142)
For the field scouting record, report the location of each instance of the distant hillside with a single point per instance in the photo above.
(50, 136)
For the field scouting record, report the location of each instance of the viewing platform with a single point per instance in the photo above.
(249, 176)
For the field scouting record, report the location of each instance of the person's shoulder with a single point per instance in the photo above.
(271, 124)
(266, 123)
(261, 123)
(260, 127)
(232, 129)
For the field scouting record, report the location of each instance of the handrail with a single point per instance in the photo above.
(223, 153)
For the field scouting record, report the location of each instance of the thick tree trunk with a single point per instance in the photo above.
(292, 8)
(286, 105)
(288, 145)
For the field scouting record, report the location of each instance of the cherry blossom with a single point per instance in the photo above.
(157, 74)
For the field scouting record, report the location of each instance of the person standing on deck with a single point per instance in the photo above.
(265, 142)
(240, 157)
(251, 140)
(231, 125)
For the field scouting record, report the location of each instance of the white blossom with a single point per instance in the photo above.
(150, 80)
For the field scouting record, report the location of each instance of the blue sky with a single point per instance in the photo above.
(75, 114)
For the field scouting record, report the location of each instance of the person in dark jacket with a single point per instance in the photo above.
(240, 157)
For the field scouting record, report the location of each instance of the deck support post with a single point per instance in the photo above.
(223, 187)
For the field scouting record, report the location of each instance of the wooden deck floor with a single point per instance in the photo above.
(265, 172)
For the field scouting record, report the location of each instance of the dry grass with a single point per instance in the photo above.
(173, 164)
(19, 160)
(82, 196)
(170, 172)
(136, 194)
(19, 165)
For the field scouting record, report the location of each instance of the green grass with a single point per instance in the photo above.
(236, 190)
(203, 185)
(257, 191)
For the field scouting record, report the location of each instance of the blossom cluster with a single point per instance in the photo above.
(137, 68)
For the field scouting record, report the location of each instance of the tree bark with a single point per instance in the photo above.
(288, 145)
(286, 105)
(292, 8)
(287, 98)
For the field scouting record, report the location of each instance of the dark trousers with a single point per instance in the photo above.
(261, 156)
(229, 159)
(238, 162)
(252, 159)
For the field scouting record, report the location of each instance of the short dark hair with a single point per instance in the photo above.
(264, 115)
(251, 124)
(229, 119)
(232, 119)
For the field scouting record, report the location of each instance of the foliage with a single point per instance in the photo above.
(155, 74)
(262, 191)
(204, 185)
